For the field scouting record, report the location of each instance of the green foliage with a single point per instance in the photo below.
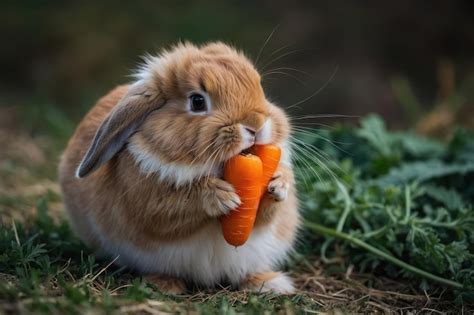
(401, 204)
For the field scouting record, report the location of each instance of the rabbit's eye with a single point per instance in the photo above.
(198, 103)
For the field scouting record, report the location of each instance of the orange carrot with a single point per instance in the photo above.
(270, 155)
(244, 172)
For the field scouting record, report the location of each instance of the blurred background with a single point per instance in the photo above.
(411, 62)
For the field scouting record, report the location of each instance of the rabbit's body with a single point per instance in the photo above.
(157, 208)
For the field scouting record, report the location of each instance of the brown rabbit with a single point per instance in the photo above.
(141, 176)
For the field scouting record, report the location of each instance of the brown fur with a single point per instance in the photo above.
(139, 209)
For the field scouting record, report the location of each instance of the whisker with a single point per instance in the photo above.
(288, 68)
(318, 162)
(279, 49)
(212, 142)
(265, 43)
(316, 149)
(324, 162)
(287, 74)
(310, 131)
(324, 156)
(301, 155)
(207, 165)
(311, 145)
(318, 90)
(299, 163)
(216, 157)
(331, 142)
(306, 164)
(274, 53)
(219, 156)
(283, 56)
(323, 116)
(304, 124)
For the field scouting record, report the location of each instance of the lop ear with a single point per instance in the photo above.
(120, 124)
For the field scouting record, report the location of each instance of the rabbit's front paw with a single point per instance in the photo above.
(278, 187)
(221, 197)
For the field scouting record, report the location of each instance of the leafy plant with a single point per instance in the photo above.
(399, 205)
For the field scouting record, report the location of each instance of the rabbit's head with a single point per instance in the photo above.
(189, 110)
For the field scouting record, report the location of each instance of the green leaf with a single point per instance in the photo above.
(419, 147)
(373, 130)
(448, 197)
(422, 171)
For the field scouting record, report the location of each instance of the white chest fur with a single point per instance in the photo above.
(178, 174)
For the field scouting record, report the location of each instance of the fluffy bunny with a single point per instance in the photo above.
(142, 180)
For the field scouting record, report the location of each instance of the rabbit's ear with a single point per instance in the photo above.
(119, 125)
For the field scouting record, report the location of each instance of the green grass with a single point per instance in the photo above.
(389, 226)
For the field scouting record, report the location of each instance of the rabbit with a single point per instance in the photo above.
(141, 177)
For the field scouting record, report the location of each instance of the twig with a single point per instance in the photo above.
(407, 205)
(331, 232)
(347, 208)
(15, 232)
